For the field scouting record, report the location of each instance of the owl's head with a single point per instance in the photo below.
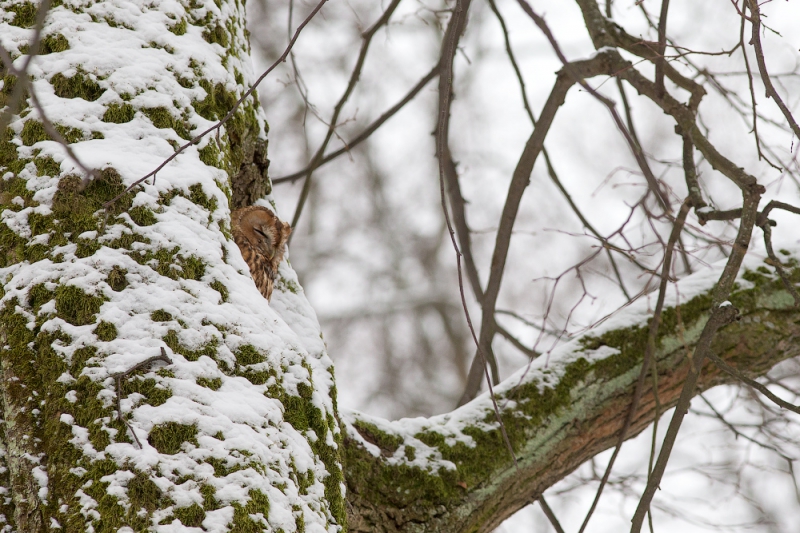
(263, 230)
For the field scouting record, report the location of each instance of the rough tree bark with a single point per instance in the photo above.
(237, 428)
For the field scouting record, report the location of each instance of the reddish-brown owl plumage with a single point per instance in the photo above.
(261, 237)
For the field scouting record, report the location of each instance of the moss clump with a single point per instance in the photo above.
(179, 29)
(191, 516)
(192, 267)
(24, 14)
(54, 43)
(39, 295)
(242, 521)
(47, 166)
(160, 316)
(87, 247)
(154, 393)
(249, 355)
(300, 412)
(410, 453)
(209, 493)
(198, 196)
(172, 341)
(221, 289)
(168, 263)
(106, 331)
(760, 276)
(75, 306)
(221, 468)
(210, 383)
(210, 155)
(163, 119)
(217, 103)
(71, 135)
(143, 493)
(287, 285)
(304, 480)
(217, 35)
(119, 114)
(13, 187)
(32, 132)
(78, 86)
(116, 279)
(387, 442)
(75, 208)
(632, 341)
(142, 215)
(9, 82)
(168, 438)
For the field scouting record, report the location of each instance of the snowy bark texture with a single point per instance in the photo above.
(453, 473)
(239, 432)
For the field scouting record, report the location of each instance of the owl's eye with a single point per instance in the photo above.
(266, 237)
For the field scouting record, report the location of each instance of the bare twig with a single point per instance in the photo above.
(119, 376)
(720, 316)
(23, 83)
(551, 516)
(369, 130)
(725, 367)
(766, 224)
(216, 127)
(22, 73)
(454, 31)
(519, 182)
(649, 354)
(755, 19)
(351, 85)
(662, 48)
(634, 146)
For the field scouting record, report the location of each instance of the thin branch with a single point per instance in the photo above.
(119, 376)
(454, 31)
(550, 169)
(725, 367)
(690, 173)
(755, 19)
(766, 225)
(551, 516)
(369, 130)
(720, 316)
(662, 47)
(197, 138)
(351, 85)
(33, 51)
(519, 182)
(635, 148)
(649, 354)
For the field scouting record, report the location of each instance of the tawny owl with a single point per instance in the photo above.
(261, 237)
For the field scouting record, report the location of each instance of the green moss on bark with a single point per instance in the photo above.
(169, 437)
(80, 85)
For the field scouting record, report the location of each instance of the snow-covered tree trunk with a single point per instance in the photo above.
(238, 432)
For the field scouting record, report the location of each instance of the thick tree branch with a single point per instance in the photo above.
(558, 416)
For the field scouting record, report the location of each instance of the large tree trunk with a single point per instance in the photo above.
(236, 428)
(238, 432)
